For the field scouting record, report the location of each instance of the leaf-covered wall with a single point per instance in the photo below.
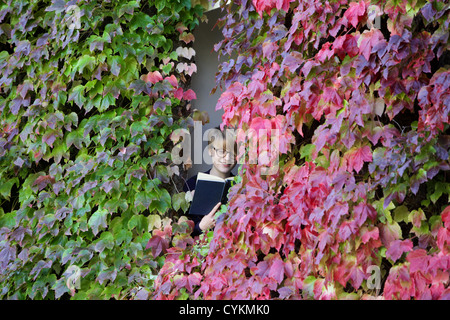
(358, 208)
(90, 92)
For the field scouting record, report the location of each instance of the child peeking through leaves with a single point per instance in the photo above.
(222, 150)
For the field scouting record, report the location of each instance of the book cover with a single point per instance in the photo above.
(209, 190)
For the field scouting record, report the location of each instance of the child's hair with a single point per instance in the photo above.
(227, 135)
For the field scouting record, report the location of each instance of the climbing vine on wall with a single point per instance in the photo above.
(358, 92)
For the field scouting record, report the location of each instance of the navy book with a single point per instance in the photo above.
(209, 190)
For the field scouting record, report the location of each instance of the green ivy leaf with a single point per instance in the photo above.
(60, 288)
(5, 188)
(139, 222)
(306, 151)
(154, 221)
(107, 101)
(114, 204)
(179, 201)
(75, 138)
(115, 63)
(401, 213)
(7, 220)
(106, 241)
(83, 62)
(77, 95)
(98, 220)
(128, 8)
(439, 189)
(161, 201)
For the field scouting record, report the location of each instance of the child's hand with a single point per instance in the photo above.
(208, 221)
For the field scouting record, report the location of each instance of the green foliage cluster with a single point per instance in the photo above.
(85, 163)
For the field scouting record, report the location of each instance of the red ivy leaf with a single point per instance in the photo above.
(428, 11)
(366, 234)
(307, 67)
(178, 93)
(345, 230)
(189, 95)
(355, 12)
(6, 254)
(172, 80)
(180, 27)
(397, 248)
(24, 88)
(356, 157)
(193, 279)
(283, 4)
(419, 260)
(325, 52)
(267, 6)
(346, 44)
(269, 48)
(277, 270)
(362, 211)
(443, 240)
(370, 39)
(292, 61)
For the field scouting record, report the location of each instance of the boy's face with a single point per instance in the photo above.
(223, 158)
